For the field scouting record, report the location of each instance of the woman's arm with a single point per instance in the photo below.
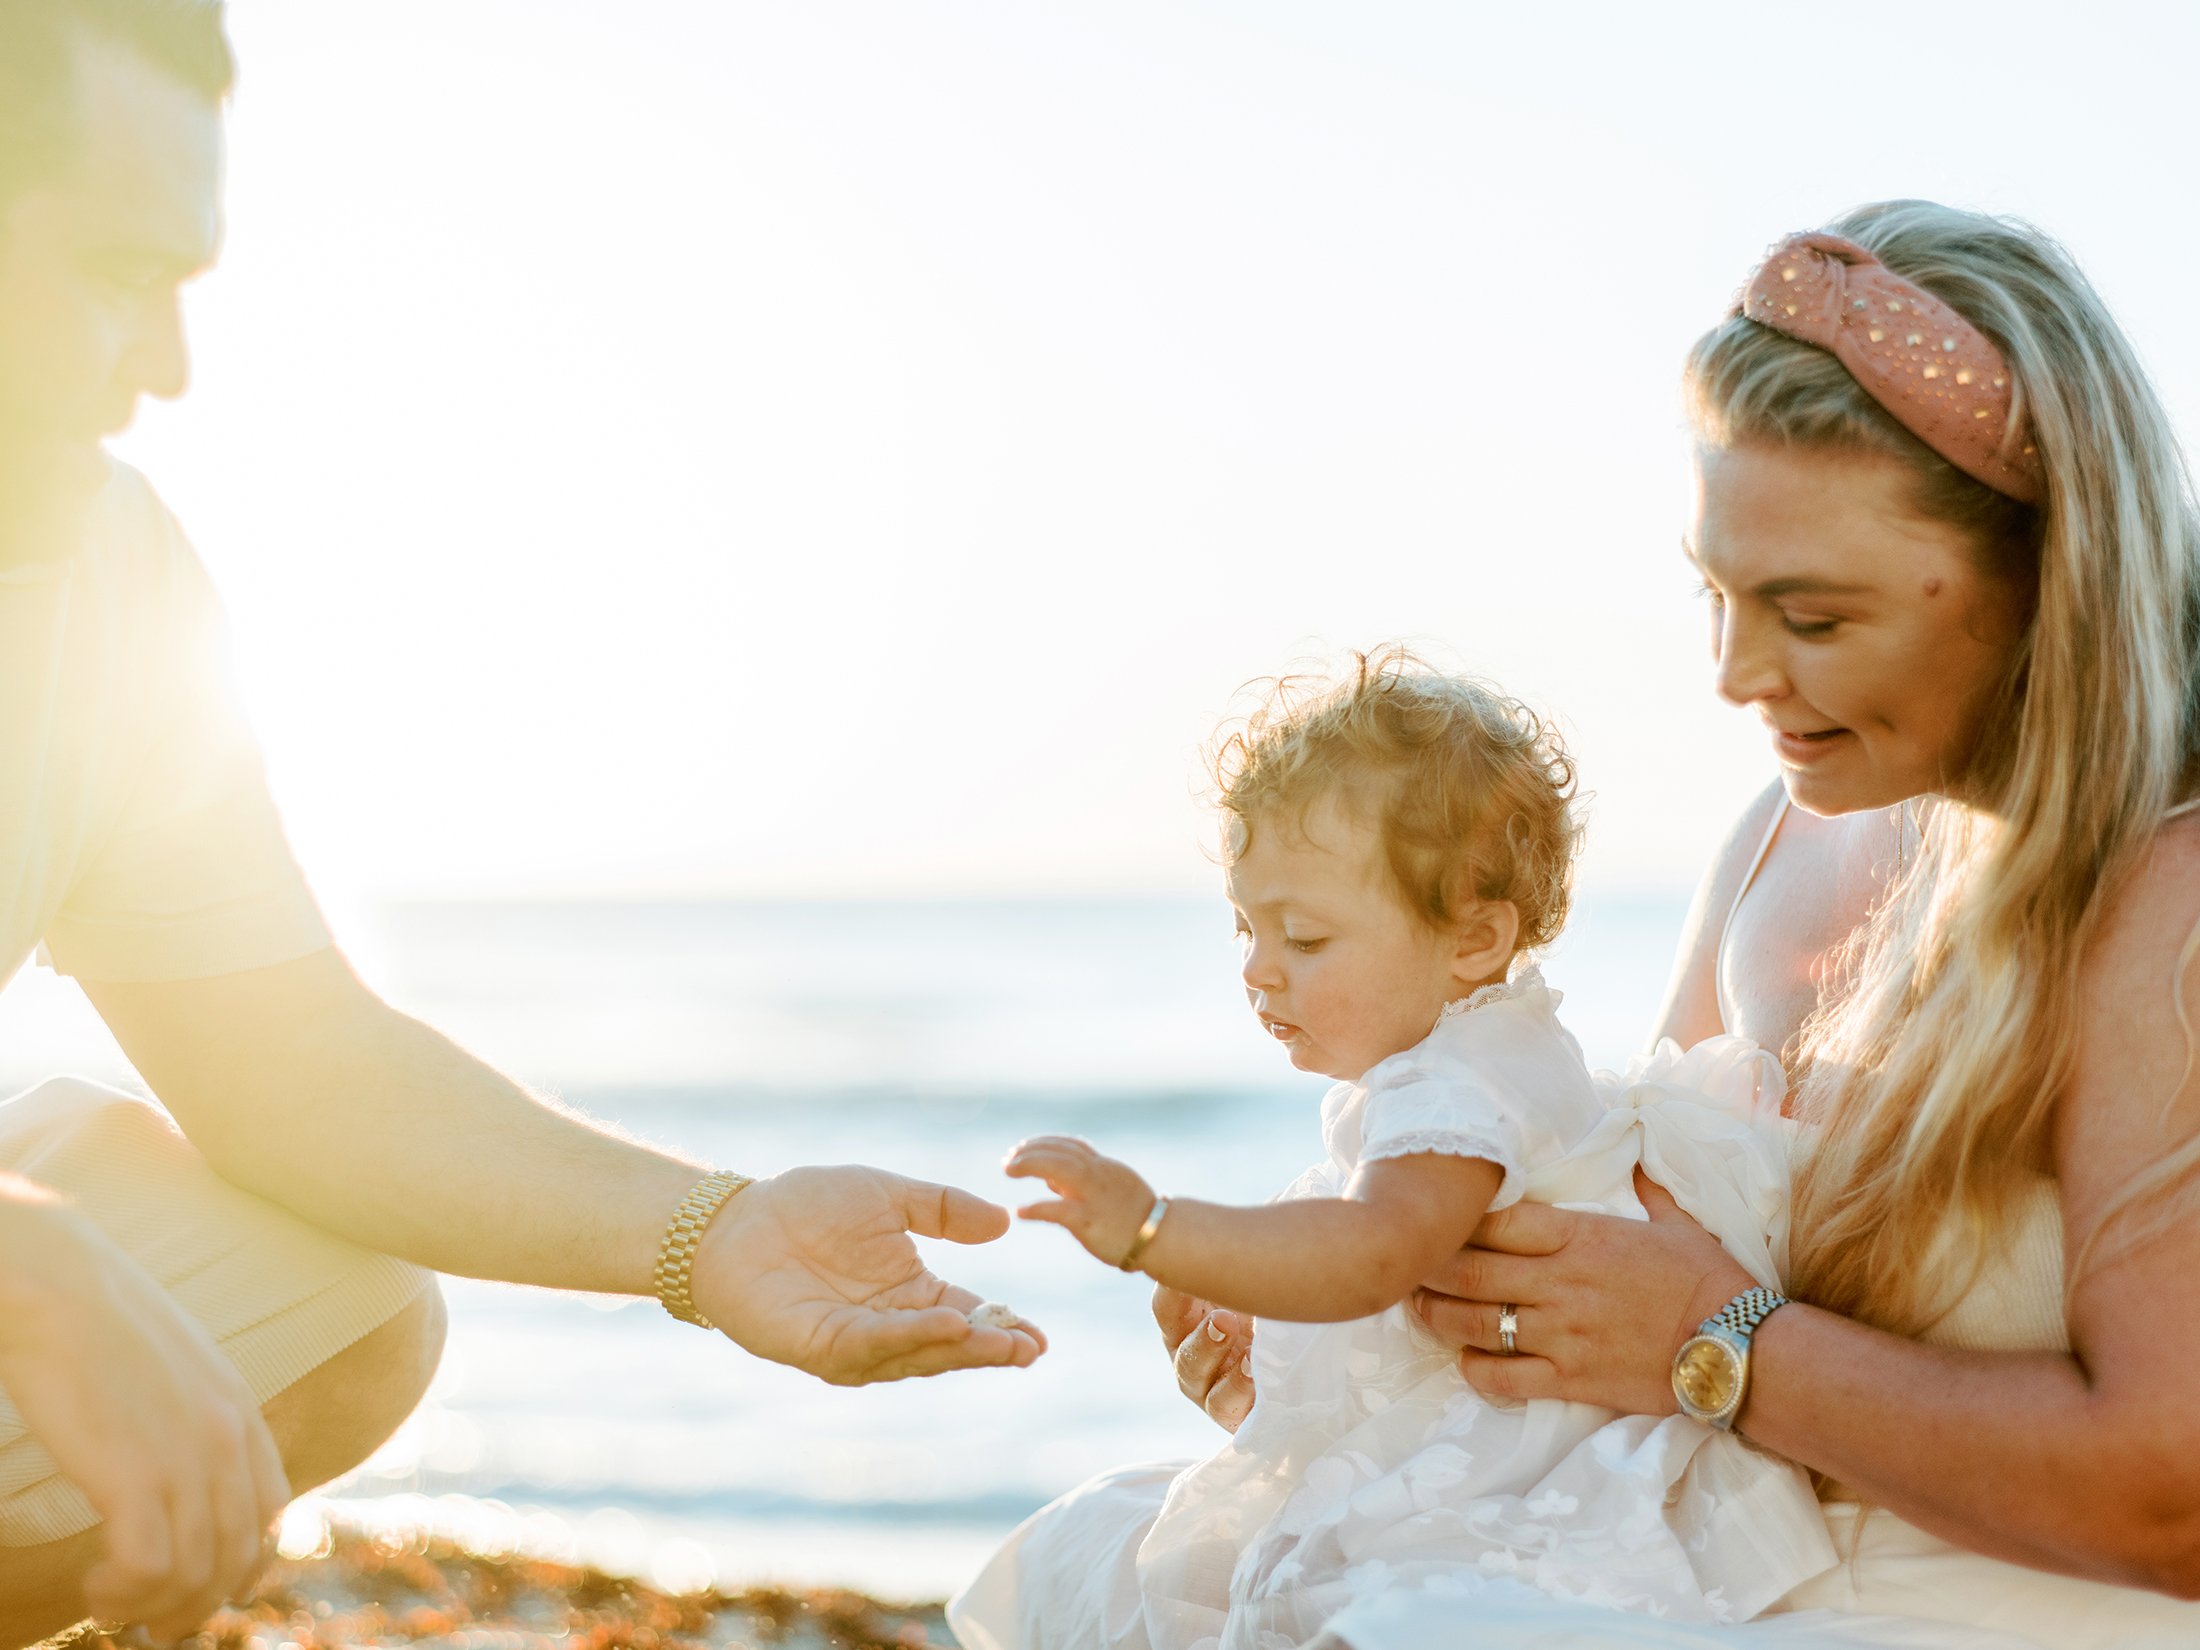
(2086, 1462)
(1309, 1260)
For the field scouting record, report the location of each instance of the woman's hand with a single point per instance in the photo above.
(814, 1268)
(1212, 1351)
(1102, 1203)
(1603, 1302)
(141, 1411)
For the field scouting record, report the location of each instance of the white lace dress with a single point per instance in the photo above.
(1367, 1463)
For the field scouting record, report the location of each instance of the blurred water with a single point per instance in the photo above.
(927, 1037)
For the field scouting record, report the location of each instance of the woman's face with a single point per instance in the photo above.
(1861, 632)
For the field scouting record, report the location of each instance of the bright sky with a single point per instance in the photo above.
(692, 446)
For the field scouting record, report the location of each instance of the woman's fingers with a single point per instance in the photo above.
(1210, 1366)
(1463, 1323)
(1496, 1376)
(1485, 1275)
(1525, 1229)
(1658, 1200)
(1177, 1313)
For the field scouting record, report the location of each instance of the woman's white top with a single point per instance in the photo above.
(1897, 1587)
(1368, 1465)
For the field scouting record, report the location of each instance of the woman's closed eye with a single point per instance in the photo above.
(1808, 626)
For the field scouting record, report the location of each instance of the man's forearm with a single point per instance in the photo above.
(430, 1154)
(380, 1129)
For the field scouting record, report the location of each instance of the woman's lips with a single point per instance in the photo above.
(1800, 750)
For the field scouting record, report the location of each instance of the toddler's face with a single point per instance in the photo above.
(1337, 968)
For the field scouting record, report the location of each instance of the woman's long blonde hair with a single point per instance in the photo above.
(1947, 1037)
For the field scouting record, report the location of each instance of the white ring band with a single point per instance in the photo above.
(1508, 1330)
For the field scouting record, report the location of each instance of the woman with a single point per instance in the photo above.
(1971, 623)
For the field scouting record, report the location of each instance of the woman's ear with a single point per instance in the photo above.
(1488, 935)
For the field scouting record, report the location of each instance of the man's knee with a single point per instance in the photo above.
(334, 1417)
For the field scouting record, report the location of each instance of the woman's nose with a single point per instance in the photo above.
(1748, 663)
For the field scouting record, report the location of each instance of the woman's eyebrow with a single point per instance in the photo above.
(1806, 585)
(1798, 584)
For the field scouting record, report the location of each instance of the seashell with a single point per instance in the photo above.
(993, 1315)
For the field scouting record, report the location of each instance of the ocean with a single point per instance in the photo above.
(926, 1037)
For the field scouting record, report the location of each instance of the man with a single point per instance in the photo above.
(194, 1326)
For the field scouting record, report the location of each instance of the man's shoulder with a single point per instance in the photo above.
(128, 515)
(134, 547)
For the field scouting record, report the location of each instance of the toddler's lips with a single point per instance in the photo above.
(1282, 1030)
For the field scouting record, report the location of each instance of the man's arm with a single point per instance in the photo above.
(299, 1084)
(302, 1086)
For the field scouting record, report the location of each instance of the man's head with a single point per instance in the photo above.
(110, 179)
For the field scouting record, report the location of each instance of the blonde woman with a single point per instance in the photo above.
(1950, 553)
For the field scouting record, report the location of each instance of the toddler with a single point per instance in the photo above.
(1397, 842)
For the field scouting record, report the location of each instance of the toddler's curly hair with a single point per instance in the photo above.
(1471, 793)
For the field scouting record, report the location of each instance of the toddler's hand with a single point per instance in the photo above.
(1101, 1201)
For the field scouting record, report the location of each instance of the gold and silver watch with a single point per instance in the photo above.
(1711, 1370)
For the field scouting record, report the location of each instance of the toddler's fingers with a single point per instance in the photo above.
(1050, 1164)
(1056, 1144)
(1054, 1211)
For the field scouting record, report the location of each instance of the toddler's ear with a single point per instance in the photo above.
(1489, 933)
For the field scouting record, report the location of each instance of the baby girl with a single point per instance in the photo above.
(1398, 843)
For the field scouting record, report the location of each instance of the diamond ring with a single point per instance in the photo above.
(1508, 1330)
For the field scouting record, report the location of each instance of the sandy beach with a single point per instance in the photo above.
(367, 1591)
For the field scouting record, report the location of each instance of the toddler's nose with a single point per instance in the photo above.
(1260, 973)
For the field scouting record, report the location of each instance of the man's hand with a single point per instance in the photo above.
(1212, 1353)
(1101, 1202)
(140, 1411)
(814, 1268)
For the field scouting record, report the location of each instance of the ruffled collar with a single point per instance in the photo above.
(1530, 978)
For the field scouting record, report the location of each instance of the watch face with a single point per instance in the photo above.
(1706, 1375)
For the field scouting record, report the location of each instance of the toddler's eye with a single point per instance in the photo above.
(1306, 947)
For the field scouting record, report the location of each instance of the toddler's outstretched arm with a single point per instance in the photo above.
(1310, 1260)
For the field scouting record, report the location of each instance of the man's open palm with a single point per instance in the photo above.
(815, 1268)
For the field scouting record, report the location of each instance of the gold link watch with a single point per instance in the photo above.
(684, 1235)
(1711, 1370)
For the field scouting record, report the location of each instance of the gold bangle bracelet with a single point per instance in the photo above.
(1146, 1235)
(684, 1235)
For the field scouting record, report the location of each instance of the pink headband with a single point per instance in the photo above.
(1939, 376)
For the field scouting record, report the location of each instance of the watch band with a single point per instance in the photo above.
(684, 1235)
(1722, 1340)
(1741, 1315)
